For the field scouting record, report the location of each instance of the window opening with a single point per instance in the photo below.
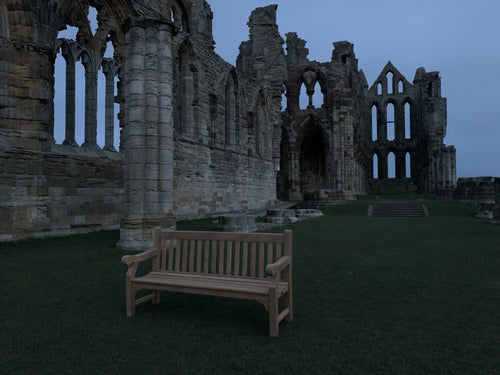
(303, 98)
(390, 122)
(407, 121)
(401, 86)
(408, 165)
(375, 166)
(374, 123)
(391, 165)
(379, 88)
(390, 77)
(94, 25)
(317, 98)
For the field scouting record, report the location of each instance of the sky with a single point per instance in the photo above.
(458, 38)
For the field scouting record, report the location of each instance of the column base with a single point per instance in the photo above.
(137, 231)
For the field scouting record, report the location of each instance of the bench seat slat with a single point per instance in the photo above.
(216, 283)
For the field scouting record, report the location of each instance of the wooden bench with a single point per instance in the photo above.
(254, 266)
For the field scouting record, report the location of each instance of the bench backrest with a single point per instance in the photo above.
(220, 253)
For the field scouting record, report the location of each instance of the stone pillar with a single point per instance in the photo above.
(71, 52)
(383, 171)
(110, 69)
(148, 133)
(295, 193)
(91, 60)
(400, 166)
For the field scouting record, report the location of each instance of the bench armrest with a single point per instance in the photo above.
(131, 259)
(275, 268)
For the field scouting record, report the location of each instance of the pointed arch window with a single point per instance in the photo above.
(231, 109)
(375, 166)
(374, 122)
(407, 121)
(408, 165)
(390, 82)
(391, 165)
(401, 86)
(391, 131)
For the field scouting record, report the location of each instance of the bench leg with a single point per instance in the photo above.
(289, 305)
(273, 313)
(130, 301)
(156, 298)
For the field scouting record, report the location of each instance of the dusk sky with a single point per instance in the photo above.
(458, 38)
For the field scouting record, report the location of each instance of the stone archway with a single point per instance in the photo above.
(312, 161)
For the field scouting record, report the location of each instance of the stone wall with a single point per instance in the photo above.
(55, 194)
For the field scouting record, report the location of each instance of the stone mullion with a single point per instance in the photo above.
(382, 167)
(70, 51)
(91, 60)
(110, 70)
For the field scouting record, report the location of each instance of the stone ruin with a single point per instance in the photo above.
(198, 136)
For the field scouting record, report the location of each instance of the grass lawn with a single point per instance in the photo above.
(372, 296)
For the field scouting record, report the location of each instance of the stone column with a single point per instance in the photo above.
(91, 60)
(110, 69)
(148, 133)
(71, 52)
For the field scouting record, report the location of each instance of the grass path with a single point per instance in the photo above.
(372, 296)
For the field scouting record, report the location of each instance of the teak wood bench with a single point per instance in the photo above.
(253, 266)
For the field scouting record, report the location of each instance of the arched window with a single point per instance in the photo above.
(407, 121)
(284, 99)
(401, 86)
(408, 165)
(391, 133)
(379, 88)
(303, 98)
(187, 87)
(374, 123)
(391, 165)
(260, 120)
(317, 97)
(231, 109)
(390, 77)
(375, 166)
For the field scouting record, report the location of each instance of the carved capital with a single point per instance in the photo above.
(70, 50)
(110, 68)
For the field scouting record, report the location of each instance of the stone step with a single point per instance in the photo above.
(397, 210)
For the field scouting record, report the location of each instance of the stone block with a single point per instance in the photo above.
(237, 223)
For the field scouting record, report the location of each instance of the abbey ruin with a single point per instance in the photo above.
(199, 136)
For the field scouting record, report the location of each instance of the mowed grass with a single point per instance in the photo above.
(371, 296)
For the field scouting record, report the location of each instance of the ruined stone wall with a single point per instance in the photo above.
(45, 189)
(199, 137)
(475, 190)
(409, 127)
(333, 127)
(225, 150)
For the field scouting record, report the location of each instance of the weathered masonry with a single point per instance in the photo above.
(197, 136)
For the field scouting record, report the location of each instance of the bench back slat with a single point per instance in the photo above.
(219, 253)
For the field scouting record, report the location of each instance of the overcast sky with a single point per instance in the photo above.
(458, 38)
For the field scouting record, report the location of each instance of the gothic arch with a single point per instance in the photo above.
(231, 108)
(186, 90)
(312, 147)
